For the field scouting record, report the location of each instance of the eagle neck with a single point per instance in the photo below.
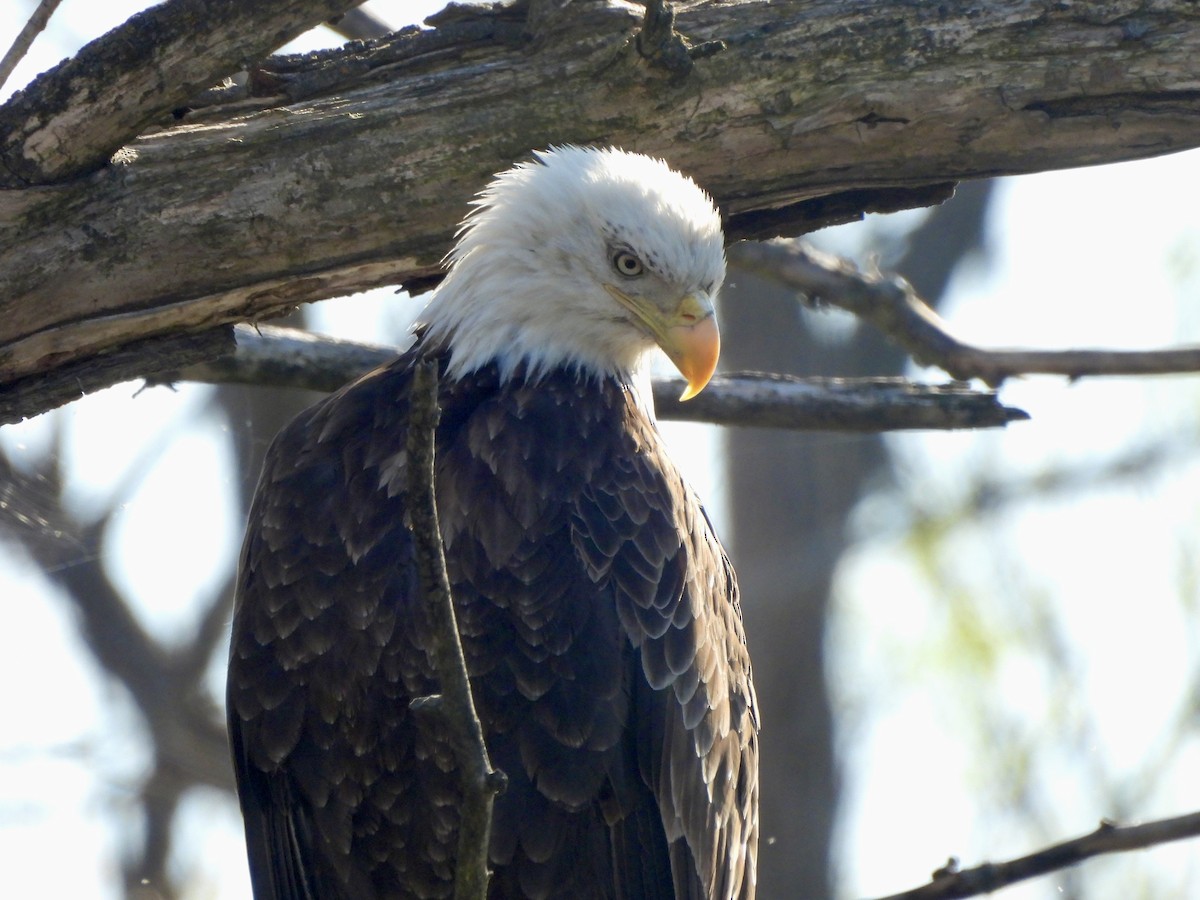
(507, 373)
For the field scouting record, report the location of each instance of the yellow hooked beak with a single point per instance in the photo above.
(688, 334)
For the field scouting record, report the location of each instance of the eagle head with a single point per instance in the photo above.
(589, 258)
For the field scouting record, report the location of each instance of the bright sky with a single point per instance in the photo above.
(1106, 257)
(1085, 258)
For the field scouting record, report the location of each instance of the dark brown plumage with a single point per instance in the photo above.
(600, 624)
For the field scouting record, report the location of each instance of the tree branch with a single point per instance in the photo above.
(284, 357)
(72, 119)
(272, 356)
(951, 882)
(358, 25)
(146, 357)
(891, 304)
(762, 400)
(454, 706)
(809, 116)
(20, 46)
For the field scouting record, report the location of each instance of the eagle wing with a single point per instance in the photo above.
(325, 557)
(561, 499)
(695, 715)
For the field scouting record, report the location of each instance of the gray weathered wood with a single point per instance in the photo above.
(71, 119)
(814, 112)
(286, 357)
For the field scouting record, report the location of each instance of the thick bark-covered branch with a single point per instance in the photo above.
(813, 112)
(284, 357)
(144, 357)
(71, 119)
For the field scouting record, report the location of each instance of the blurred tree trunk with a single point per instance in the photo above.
(792, 494)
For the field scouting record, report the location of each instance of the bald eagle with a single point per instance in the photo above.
(599, 615)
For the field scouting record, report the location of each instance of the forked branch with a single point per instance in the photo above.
(892, 305)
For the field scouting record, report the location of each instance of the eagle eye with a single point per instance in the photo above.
(627, 264)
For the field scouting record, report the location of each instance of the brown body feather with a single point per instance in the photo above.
(601, 626)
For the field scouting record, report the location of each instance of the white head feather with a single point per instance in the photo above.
(526, 280)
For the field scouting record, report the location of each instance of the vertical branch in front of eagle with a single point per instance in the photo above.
(454, 705)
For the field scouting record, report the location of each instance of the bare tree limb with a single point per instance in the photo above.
(891, 304)
(70, 120)
(762, 400)
(358, 25)
(454, 705)
(25, 396)
(284, 357)
(272, 356)
(24, 40)
(951, 882)
(808, 117)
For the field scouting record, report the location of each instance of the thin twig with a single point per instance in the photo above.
(285, 357)
(480, 782)
(25, 39)
(951, 882)
(892, 305)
